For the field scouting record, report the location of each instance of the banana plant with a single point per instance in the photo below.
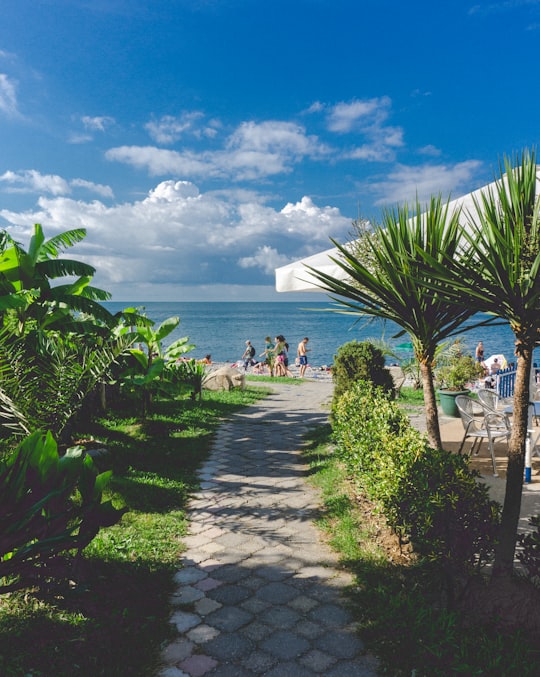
(27, 294)
(39, 518)
(148, 372)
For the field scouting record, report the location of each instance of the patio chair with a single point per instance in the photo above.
(490, 427)
(489, 400)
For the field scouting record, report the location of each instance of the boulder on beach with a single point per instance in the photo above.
(225, 378)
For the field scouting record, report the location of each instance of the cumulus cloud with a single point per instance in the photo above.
(252, 151)
(405, 182)
(169, 129)
(32, 181)
(98, 123)
(178, 235)
(266, 258)
(346, 117)
(367, 119)
(8, 96)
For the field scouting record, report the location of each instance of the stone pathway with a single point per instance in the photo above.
(259, 593)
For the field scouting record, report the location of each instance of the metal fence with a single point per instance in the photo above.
(505, 380)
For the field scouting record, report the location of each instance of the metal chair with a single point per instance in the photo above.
(489, 400)
(490, 427)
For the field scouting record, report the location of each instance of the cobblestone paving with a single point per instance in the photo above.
(259, 593)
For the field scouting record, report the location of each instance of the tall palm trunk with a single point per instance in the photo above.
(504, 553)
(430, 403)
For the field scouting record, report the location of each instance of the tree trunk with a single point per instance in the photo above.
(504, 552)
(430, 403)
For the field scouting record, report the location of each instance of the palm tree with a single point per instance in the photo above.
(390, 279)
(501, 276)
(25, 282)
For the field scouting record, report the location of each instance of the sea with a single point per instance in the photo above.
(222, 328)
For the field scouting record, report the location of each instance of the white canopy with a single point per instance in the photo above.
(296, 277)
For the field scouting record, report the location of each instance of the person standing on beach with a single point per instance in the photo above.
(249, 354)
(479, 353)
(302, 355)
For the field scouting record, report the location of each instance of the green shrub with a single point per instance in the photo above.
(428, 496)
(360, 361)
(38, 517)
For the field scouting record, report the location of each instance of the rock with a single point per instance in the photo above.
(225, 378)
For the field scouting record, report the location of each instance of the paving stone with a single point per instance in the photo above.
(254, 606)
(303, 604)
(277, 593)
(184, 621)
(177, 651)
(279, 616)
(285, 645)
(229, 647)
(172, 672)
(230, 573)
(256, 631)
(289, 669)
(330, 615)
(228, 618)
(186, 595)
(198, 665)
(259, 661)
(202, 633)
(230, 671)
(317, 661)
(230, 594)
(274, 573)
(189, 575)
(309, 629)
(206, 605)
(208, 584)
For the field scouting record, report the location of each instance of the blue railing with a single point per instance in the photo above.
(505, 380)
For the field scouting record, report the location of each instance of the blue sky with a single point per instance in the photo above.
(204, 143)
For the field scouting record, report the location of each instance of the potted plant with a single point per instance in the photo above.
(453, 377)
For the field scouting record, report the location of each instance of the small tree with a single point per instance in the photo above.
(360, 361)
(394, 282)
(500, 274)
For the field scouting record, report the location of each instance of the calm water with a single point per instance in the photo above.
(221, 329)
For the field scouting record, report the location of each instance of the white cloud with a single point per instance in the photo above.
(98, 123)
(8, 96)
(252, 152)
(32, 181)
(348, 117)
(168, 129)
(404, 183)
(367, 119)
(98, 188)
(266, 258)
(178, 235)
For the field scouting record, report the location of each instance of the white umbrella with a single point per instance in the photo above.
(501, 359)
(296, 277)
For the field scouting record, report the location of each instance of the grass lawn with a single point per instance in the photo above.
(113, 617)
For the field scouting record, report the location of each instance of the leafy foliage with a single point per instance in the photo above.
(357, 361)
(46, 376)
(428, 496)
(38, 518)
